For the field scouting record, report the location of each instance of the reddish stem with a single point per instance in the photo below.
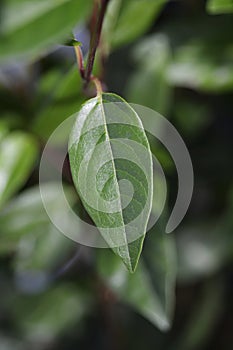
(96, 27)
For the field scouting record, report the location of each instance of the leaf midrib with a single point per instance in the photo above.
(114, 170)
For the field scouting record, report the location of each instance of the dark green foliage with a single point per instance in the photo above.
(175, 57)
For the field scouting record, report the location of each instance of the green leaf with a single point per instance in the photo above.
(150, 290)
(111, 165)
(49, 314)
(64, 102)
(149, 85)
(18, 154)
(3, 130)
(26, 216)
(203, 66)
(40, 25)
(160, 260)
(220, 6)
(119, 25)
(42, 251)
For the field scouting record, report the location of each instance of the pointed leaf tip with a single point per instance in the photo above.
(111, 165)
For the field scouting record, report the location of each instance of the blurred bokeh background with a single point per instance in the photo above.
(175, 57)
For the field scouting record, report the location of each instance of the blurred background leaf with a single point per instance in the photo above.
(204, 67)
(25, 215)
(149, 84)
(63, 100)
(118, 26)
(220, 6)
(156, 273)
(57, 310)
(18, 154)
(41, 24)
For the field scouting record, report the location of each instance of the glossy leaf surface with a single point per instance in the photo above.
(111, 166)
